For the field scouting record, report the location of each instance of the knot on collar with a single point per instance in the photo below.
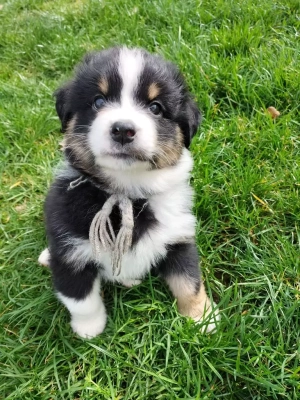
(102, 235)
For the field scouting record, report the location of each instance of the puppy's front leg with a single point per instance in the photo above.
(79, 291)
(181, 271)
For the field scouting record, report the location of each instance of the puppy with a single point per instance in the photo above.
(121, 205)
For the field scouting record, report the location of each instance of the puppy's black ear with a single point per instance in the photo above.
(192, 118)
(62, 96)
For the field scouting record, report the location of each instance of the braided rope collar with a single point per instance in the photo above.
(101, 233)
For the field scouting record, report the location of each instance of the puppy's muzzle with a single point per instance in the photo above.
(123, 132)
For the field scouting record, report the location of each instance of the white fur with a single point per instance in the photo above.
(130, 67)
(44, 258)
(88, 316)
(131, 64)
(130, 282)
(210, 319)
(101, 143)
(80, 253)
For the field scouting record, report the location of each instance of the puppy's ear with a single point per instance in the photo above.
(62, 96)
(192, 117)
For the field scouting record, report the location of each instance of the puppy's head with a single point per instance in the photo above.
(126, 109)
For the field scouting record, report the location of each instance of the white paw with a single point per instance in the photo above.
(209, 318)
(44, 258)
(89, 327)
(130, 282)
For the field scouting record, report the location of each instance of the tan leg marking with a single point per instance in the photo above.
(197, 306)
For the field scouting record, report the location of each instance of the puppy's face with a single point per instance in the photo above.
(126, 109)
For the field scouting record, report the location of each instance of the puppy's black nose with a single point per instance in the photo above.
(123, 132)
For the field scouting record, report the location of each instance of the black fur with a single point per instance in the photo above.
(178, 106)
(189, 121)
(62, 106)
(75, 284)
(183, 261)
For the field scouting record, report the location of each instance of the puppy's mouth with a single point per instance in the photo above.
(121, 156)
(128, 156)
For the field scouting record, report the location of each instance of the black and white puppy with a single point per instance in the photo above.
(121, 205)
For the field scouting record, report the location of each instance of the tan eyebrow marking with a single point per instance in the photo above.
(103, 85)
(153, 91)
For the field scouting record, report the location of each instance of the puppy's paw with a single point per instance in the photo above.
(208, 316)
(44, 258)
(201, 309)
(88, 327)
(130, 282)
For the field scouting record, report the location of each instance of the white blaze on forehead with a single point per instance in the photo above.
(130, 67)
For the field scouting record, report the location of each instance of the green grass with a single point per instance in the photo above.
(239, 57)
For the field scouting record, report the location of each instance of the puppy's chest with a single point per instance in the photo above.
(158, 222)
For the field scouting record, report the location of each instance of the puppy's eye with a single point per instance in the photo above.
(99, 102)
(155, 108)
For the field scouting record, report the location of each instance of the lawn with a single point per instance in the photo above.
(239, 58)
